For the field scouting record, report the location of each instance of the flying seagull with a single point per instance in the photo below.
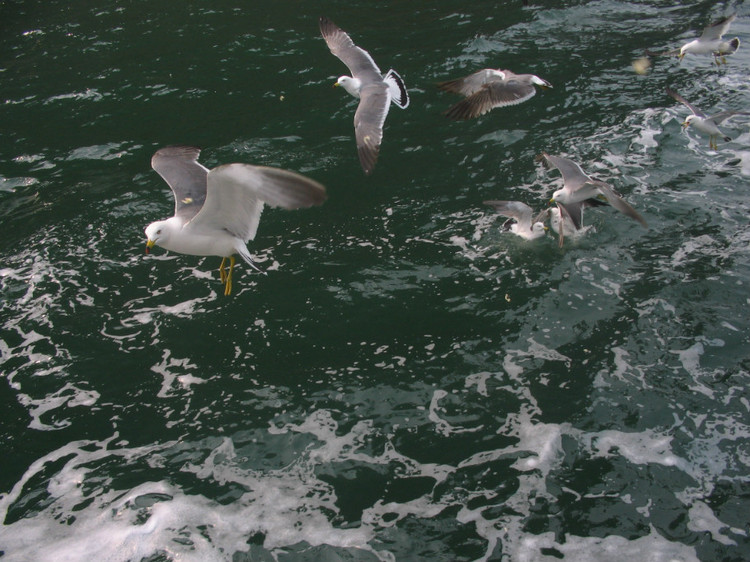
(375, 91)
(216, 212)
(521, 220)
(580, 190)
(489, 88)
(704, 123)
(710, 42)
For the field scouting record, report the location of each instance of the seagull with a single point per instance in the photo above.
(704, 123)
(580, 190)
(710, 41)
(521, 220)
(567, 226)
(217, 211)
(489, 88)
(375, 91)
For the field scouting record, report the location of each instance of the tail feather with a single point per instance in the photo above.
(399, 95)
(735, 44)
(245, 255)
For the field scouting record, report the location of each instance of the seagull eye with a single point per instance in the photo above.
(158, 231)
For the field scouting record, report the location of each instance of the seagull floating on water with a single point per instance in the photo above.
(521, 220)
(705, 123)
(375, 91)
(490, 88)
(581, 190)
(709, 43)
(217, 211)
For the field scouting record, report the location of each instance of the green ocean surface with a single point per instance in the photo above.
(404, 381)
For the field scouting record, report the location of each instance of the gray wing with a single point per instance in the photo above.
(472, 83)
(717, 29)
(179, 167)
(374, 102)
(618, 202)
(724, 115)
(237, 192)
(573, 175)
(682, 100)
(359, 61)
(564, 215)
(513, 209)
(495, 94)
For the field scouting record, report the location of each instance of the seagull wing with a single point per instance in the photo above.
(724, 115)
(359, 61)
(472, 83)
(689, 105)
(374, 102)
(618, 202)
(498, 93)
(717, 29)
(179, 167)
(573, 175)
(237, 192)
(515, 210)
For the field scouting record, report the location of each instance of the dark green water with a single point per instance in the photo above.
(405, 382)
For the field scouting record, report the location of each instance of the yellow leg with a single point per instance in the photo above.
(222, 271)
(228, 282)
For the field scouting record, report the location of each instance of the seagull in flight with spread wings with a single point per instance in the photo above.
(217, 211)
(489, 88)
(375, 91)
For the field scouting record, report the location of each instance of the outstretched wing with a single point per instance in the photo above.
(618, 202)
(359, 61)
(724, 115)
(717, 29)
(179, 167)
(237, 192)
(513, 209)
(682, 100)
(495, 94)
(573, 175)
(374, 102)
(472, 83)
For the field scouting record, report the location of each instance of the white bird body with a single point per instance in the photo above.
(217, 211)
(175, 236)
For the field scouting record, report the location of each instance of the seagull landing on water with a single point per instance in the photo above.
(709, 43)
(521, 220)
(580, 190)
(217, 211)
(705, 123)
(490, 88)
(375, 91)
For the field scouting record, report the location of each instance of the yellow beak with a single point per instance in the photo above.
(149, 245)
(336, 84)
(685, 124)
